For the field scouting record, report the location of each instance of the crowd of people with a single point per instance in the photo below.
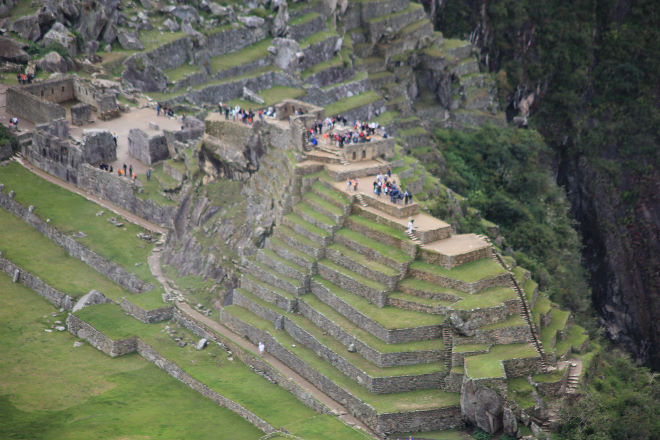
(236, 113)
(337, 131)
(384, 184)
(13, 123)
(167, 111)
(25, 78)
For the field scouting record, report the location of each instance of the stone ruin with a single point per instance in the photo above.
(146, 147)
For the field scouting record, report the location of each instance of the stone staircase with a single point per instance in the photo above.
(448, 341)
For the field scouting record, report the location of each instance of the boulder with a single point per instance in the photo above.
(286, 52)
(222, 11)
(92, 298)
(130, 41)
(252, 21)
(98, 146)
(110, 33)
(481, 406)
(201, 344)
(27, 27)
(12, 51)
(143, 75)
(281, 22)
(54, 62)
(92, 23)
(60, 34)
(171, 25)
(183, 12)
(249, 95)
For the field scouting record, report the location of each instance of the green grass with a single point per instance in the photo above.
(69, 213)
(272, 255)
(345, 104)
(304, 18)
(388, 230)
(316, 68)
(541, 307)
(151, 190)
(575, 337)
(314, 199)
(553, 377)
(279, 243)
(468, 272)
(451, 434)
(430, 302)
(388, 317)
(317, 38)
(529, 287)
(557, 323)
(411, 8)
(364, 261)
(514, 320)
(386, 251)
(383, 403)
(23, 8)
(386, 118)
(310, 211)
(520, 391)
(449, 43)
(424, 286)
(36, 254)
(112, 321)
(353, 275)
(272, 96)
(295, 218)
(154, 38)
(518, 273)
(333, 194)
(414, 131)
(489, 365)
(182, 71)
(359, 76)
(43, 394)
(469, 348)
(244, 56)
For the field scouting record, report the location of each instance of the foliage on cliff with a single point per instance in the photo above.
(622, 402)
(504, 173)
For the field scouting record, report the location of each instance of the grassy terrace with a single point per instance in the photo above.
(182, 71)
(286, 262)
(468, 272)
(388, 317)
(541, 307)
(529, 287)
(271, 96)
(304, 18)
(415, 284)
(361, 259)
(276, 274)
(244, 56)
(383, 403)
(301, 238)
(310, 197)
(386, 251)
(69, 213)
(280, 244)
(553, 377)
(353, 358)
(232, 379)
(521, 392)
(316, 68)
(470, 348)
(431, 302)
(386, 118)
(514, 320)
(45, 396)
(345, 104)
(414, 131)
(317, 38)
(410, 8)
(112, 321)
(36, 254)
(359, 76)
(557, 322)
(295, 218)
(396, 233)
(490, 365)
(353, 275)
(364, 336)
(575, 337)
(335, 195)
(518, 273)
(313, 213)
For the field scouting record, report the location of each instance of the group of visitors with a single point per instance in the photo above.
(243, 115)
(25, 78)
(386, 185)
(167, 111)
(105, 167)
(123, 172)
(13, 123)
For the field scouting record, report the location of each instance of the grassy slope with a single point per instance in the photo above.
(43, 394)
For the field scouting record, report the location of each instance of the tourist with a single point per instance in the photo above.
(125, 168)
(158, 109)
(410, 226)
(348, 184)
(130, 170)
(406, 196)
(114, 139)
(148, 174)
(389, 172)
(262, 347)
(355, 184)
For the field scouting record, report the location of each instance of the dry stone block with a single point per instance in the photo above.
(147, 148)
(81, 114)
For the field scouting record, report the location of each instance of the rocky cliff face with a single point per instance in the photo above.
(570, 71)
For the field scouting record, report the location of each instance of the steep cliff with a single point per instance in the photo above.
(587, 77)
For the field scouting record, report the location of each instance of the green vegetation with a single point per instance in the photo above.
(43, 394)
(182, 71)
(365, 261)
(521, 392)
(36, 254)
(622, 402)
(489, 365)
(386, 251)
(503, 173)
(346, 104)
(468, 272)
(70, 213)
(244, 56)
(316, 68)
(394, 232)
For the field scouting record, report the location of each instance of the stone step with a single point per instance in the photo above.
(373, 249)
(313, 217)
(324, 207)
(292, 254)
(269, 293)
(356, 262)
(373, 291)
(322, 156)
(390, 325)
(283, 266)
(306, 229)
(268, 275)
(301, 242)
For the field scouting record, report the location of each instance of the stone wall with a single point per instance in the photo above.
(147, 352)
(365, 112)
(398, 210)
(147, 316)
(112, 348)
(32, 108)
(421, 421)
(521, 367)
(325, 77)
(319, 52)
(255, 363)
(111, 270)
(105, 103)
(378, 148)
(406, 246)
(451, 261)
(236, 38)
(381, 25)
(147, 148)
(375, 8)
(498, 280)
(81, 114)
(54, 296)
(98, 146)
(171, 55)
(55, 91)
(504, 335)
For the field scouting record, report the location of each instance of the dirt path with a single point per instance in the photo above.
(344, 415)
(129, 216)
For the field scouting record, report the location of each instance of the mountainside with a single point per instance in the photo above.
(586, 77)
